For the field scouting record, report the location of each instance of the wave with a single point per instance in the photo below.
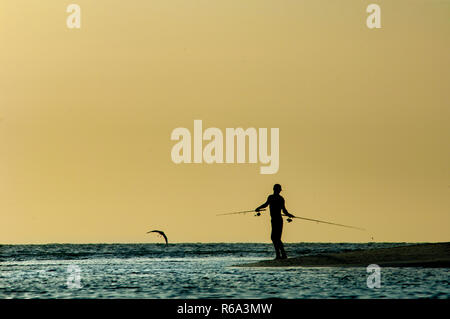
(178, 250)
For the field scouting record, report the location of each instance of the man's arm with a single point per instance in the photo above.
(263, 205)
(285, 210)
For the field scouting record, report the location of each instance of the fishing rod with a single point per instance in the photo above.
(242, 212)
(289, 219)
(323, 222)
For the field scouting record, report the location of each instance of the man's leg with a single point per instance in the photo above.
(275, 245)
(282, 252)
(276, 239)
(280, 244)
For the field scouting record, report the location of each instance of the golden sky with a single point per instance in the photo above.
(86, 117)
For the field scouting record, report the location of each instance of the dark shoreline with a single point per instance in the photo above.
(436, 255)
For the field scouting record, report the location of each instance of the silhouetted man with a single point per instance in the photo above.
(276, 204)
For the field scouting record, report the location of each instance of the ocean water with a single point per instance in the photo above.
(198, 271)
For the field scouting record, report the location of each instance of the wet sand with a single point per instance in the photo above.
(436, 255)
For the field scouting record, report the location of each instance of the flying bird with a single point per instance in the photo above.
(161, 233)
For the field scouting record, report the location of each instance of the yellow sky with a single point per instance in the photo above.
(86, 117)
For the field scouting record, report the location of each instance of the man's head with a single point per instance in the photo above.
(276, 188)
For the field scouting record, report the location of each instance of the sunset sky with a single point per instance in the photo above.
(86, 117)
